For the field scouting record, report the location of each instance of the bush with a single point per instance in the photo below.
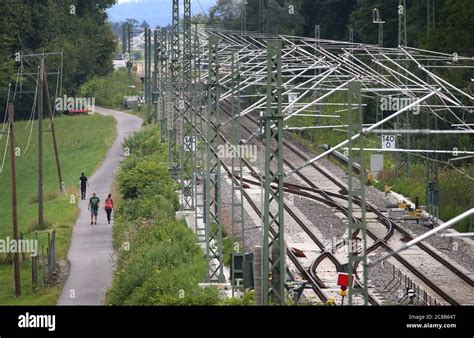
(165, 246)
(163, 264)
(108, 90)
(144, 207)
(175, 286)
(147, 142)
(146, 173)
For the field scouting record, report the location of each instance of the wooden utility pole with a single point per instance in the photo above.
(16, 254)
(53, 133)
(40, 143)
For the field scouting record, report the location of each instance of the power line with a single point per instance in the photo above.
(32, 116)
(202, 9)
(16, 255)
(6, 148)
(33, 106)
(6, 106)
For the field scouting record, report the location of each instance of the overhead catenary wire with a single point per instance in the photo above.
(447, 163)
(376, 83)
(353, 63)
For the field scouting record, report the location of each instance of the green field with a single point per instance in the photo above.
(83, 142)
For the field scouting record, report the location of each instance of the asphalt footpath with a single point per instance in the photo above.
(91, 255)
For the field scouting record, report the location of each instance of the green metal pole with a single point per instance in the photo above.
(124, 38)
(432, 165)
(145, 74)
(201, 146)
(381, 34)
(129, 51)
(243, 23)
(162, 113)
(273, 256)
(149, 80)
(402, 121)
(238, 238)
(187, 147)
(156, 74)
(317, 35)
(432, 182)
(355, 121)
(173, 150)
(213, 173)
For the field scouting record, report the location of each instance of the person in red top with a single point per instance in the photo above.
(109, 205)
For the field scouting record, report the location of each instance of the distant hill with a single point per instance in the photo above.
(155, 12)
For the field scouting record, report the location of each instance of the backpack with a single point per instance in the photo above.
(109, 204)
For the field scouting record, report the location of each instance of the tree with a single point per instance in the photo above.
(85, 36)
(332, 16)
(226, 13)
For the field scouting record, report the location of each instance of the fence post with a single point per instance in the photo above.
(44, 262)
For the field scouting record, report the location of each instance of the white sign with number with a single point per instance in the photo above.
(292, 97)
(189, 143)
(389, 142)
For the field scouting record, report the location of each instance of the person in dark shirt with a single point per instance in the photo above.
(83, 183)
(94, 208)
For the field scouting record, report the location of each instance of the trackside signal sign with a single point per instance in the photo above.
(389, 142)
(343, 279)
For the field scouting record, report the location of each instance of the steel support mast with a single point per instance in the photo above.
(147, 80)
(174, 113)
(128, 55)
(357, 224)
(213, 173)
(432, 165)
(156, 75)
(243, 18)
(163, 87)
(188, 141)
(237, 197)
(201, 146)
(402, 121)
(124, 38)
(273, 251)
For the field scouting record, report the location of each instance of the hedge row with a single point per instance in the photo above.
(159, 262)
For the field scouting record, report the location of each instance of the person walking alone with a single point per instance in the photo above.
(83, 183)
(94, 208)
(109, 205)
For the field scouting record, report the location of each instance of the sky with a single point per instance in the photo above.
(155, 12)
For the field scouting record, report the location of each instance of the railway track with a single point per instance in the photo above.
(330, 198)
(315, 284)
(325, 254)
